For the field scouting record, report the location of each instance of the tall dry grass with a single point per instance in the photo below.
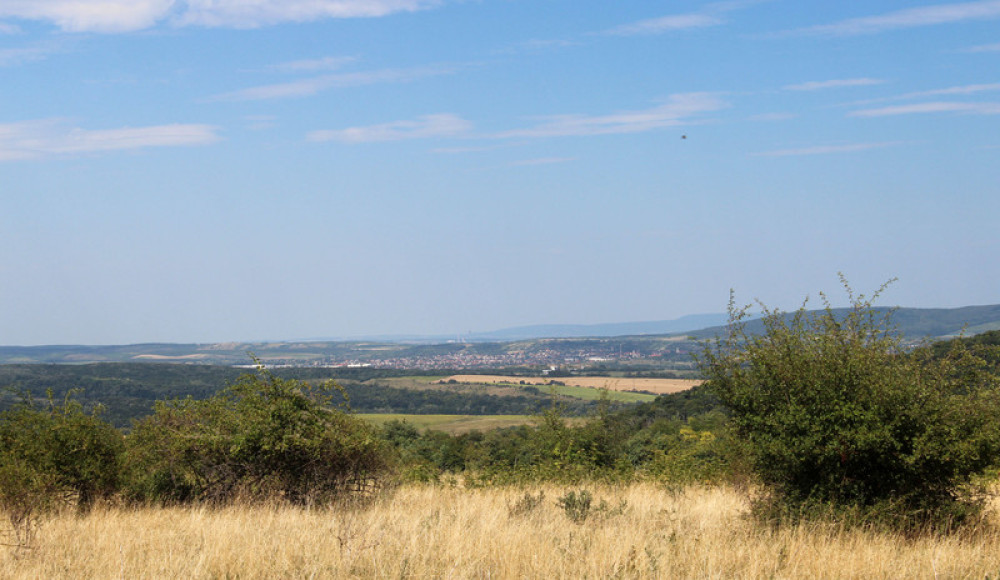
(441, 532)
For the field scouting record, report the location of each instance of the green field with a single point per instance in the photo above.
(452, 423)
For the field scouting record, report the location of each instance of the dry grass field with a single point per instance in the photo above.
(656, 386)
(645, 531)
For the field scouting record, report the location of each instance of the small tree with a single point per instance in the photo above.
(54, 454)
(261, 438)
(835, 415)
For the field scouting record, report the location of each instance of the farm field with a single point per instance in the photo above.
(617, 384)
(642, 531)
(453, 424)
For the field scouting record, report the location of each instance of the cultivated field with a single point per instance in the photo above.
(656, 386)
(643, 531)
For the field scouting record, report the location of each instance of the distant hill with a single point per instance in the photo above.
(678, 325)
(915, 323)
(663, 341)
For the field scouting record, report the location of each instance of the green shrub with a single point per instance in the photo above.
(261, 438)
(836, 417)
(56, 454)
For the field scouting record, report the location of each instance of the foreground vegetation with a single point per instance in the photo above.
(854, 457)
(644, 531)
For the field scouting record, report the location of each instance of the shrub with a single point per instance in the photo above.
(261, 438)
(836, 417)
(56, 453)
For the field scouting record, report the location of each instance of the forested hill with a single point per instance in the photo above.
(914, 323)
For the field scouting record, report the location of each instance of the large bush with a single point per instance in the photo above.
(55, 453)
(837, 417)
(262, 437)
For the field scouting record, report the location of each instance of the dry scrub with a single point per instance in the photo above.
(441, 532)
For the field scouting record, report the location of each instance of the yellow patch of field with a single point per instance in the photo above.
(168, 357)
(657, 386)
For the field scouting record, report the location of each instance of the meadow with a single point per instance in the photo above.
(642, 530)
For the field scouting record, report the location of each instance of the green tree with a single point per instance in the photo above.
(56, 453)
(835, 415)
(262, 437)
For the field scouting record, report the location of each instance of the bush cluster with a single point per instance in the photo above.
(835, 416)
(261, 438)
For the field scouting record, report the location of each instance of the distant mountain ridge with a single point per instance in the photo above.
(912, 323)
(687, 323)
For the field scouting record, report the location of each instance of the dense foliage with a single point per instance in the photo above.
(54, 454)
(262, 437)
(833, 414)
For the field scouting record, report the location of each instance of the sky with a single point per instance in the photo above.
(250, 170)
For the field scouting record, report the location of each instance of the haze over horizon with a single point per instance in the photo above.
(192, 172)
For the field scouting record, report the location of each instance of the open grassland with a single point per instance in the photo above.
(644, 531)
(618, 384)
(453, 424)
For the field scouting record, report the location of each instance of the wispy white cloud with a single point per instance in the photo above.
(536, 45)
(984, 48)
(6, 28)
(711, 15)
(313, 85)
(833, 84)
(773, 117)
(327, 63)
(428, 126)
(827, 149)
(948, 91)
(910, 18)
(90, 15)
(255, 13)
(667, 24)
(678, 110)
(131, 15)
(24, 55)
(932, 107)
(542, 161)
(53, 138)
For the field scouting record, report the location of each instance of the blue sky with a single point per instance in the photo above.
(228, 170)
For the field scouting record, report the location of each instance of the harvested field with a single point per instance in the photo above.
(657, 386)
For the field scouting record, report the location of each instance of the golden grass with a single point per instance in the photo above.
(442, 532)
(656, 386)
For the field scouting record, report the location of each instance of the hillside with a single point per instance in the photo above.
(634, 344)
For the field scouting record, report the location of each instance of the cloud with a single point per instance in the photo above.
(911, 18)
(90, 15)
(833, 84)
(984, 48)
(255, 13)
(319, 64)
(674, 112)
(428, 126)
(131, 15)
(932, 107)
(19, 56)
(51, 138)
(313, 85)
(542, 161)
(773, 117)
(666, 24)
(826, 149)
(710, 15)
